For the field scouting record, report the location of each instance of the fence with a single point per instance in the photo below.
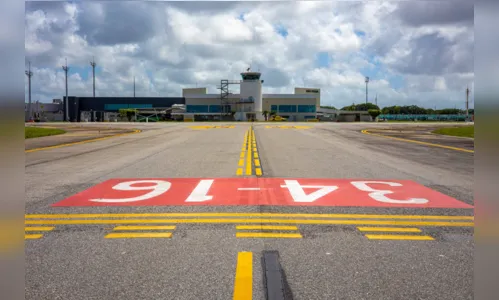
(454, 118)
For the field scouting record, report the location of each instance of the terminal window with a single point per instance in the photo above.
(306, 108)
(273, 108)
(287, 108)
(115, 106)
(140, 106)
(197, 108)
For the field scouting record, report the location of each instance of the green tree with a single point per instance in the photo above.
(265, 114)
(128, 113)
(374, 113)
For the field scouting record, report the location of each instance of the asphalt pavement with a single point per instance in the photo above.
(364, 249)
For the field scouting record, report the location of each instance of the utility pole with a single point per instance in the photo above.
(134, 86)
(367, 81)
(29, 74)
(93, 64)
(66, 69)
(467, 102)
(376, 100)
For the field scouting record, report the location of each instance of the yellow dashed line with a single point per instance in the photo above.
(32, 236)
(399, 237)
(128, 235)
(248, 157)
(389, 229)
(239, 172)
(243, 281)
(43, 228)
(257, 162)
(267, 235)
(258, 172)
(265, 227)
(132, 227)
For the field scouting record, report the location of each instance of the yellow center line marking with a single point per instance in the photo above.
(257, 162)
(144, 227)
(147, 215)
(258, 172)
(119, 235)
(242, 154)
(265, 227)
(239, 172)
(81, 142)
(255, 155)
(268, 235)
(43, 228)
(399, 237)
(419, 142)
(243, 281)
(32, 236)
(248, 157)
(231, 221)
(389, 229)
(241, 162)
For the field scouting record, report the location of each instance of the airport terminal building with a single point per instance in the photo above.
(196, 104)
(250, 103)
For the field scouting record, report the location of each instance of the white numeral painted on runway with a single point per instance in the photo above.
(160, 187)
(379, 195)
(298, 193)
(200, 193)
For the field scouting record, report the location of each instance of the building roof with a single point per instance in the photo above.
(237, 96)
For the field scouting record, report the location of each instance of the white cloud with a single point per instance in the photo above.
(167, 46)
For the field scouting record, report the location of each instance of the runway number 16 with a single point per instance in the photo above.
(157, 188)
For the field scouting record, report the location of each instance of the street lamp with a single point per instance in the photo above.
(367, 81)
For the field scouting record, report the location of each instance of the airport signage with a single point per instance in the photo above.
(261, 191)
(312, 91)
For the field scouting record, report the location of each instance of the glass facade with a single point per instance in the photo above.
(273, 108)
(287, 108)
(306, 108)
(140, 106)
(125, 106)
(218, 108)
(197, 108)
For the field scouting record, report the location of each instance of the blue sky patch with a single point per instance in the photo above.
(360, 33)
(241, 17)
(323, 60)
(396, 81)
(281, 30)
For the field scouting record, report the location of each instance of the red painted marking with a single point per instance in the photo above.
(225, 191)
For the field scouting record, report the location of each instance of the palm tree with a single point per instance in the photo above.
(265, 114)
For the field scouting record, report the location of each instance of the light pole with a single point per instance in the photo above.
(65, 68)
(29, 74)
(367, 81)
(93, 64)
(467, 102)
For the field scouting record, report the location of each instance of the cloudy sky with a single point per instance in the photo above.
(415, 52)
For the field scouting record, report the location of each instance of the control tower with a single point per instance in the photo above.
(251, 91)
